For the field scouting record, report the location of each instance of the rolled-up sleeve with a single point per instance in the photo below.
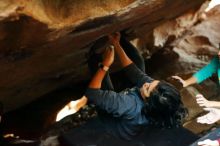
(207, 71)
(112, 102)
(136, 76)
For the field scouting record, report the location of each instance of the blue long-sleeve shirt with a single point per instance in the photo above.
(208, 70)
(124, 117)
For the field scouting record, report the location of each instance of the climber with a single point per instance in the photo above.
(127, 113)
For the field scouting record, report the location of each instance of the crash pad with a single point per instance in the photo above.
(93, 134)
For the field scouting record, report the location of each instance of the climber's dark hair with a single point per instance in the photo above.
(164, 107)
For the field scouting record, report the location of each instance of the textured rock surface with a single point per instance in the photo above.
(43, 43)
(194, 38)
